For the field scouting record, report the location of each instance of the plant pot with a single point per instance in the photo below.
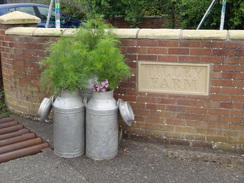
(68, 125)
(102, 126)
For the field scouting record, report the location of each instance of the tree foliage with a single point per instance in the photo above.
(73, 60)
(190, 17)
(186, 13)
(72, 9)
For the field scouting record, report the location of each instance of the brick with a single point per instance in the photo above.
(200, 51)
(218, 125)
(175, 108)
(186, 102)
(187, 116)
(209, 104)
(216, 75)
(220, 98)
(214, 44)
(164, 127)
(235, 45)
(237, 126)
(231, 105)
(190, 44)
(185, 129)
(137, 50)
(147, 42)
(167, 58)
(155, 133)
(36, 46)
(140, 118)
(127, 85)
(189, 59)
(239, 53)
(155, 120)
(123, 49)
(163, 114)
(238, 98)
(145, 125)
(129, 42)
(130, 57)
(166, 101)
(146, 99)
(223, 82)
(196, 110)
(237, 112)
(200, 124)
(157, 50)
(231, 75)
(214, 59)
(233, 60)
(239, 68)
(138, 105)
(219, 111)
(237, 91)
(165, 43)
(144, 113)
(176, 122)
(205, 117)
(148, 57)
(229, 68)
(134, 130)
(156, 106)
(215, 90)
(230, 119)
(180, 51)
(224, 52)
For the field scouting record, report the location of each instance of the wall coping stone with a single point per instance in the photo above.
(159, 34)
(168, 34)
(236, 34)
(18, 17)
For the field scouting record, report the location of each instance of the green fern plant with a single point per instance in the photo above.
(93, 50)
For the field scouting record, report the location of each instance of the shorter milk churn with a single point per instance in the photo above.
(102, 126)
(68, 125)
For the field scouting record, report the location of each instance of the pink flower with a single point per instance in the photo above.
(103, 87)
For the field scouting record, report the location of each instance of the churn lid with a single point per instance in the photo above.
(45, 108)
(126, 112)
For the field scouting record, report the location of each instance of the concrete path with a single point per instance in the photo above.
(137, 162)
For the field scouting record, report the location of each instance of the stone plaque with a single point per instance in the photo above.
(173, 78)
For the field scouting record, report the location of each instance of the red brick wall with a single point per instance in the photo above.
(214, 121)
(20, 58)
(1, 77)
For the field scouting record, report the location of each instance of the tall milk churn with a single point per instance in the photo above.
(102, 126)
(68, 125)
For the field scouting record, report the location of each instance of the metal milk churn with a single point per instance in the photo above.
(102, 126)
(68, 125)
